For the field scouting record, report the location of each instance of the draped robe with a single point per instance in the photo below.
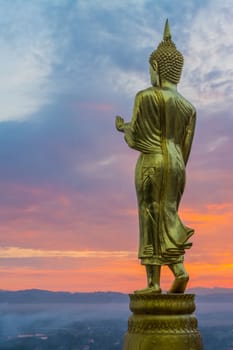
(161, 129)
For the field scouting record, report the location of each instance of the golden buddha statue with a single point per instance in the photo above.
(161, 129)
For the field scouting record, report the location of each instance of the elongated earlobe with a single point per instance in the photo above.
(154, 65)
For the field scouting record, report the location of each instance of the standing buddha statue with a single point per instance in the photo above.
(161, 129)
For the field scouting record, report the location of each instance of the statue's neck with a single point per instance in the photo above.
(168, 85)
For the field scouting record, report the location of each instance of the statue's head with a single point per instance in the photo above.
(166, 59)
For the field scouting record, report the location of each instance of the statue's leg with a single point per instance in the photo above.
(156, 278)
(181, 278)
(153, 280)
(149, 274)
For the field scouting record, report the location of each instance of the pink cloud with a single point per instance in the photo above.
(98, 107)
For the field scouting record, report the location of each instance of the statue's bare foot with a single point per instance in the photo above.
(179, 284)
(154, 289)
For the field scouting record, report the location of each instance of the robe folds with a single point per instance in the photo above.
(161, 129)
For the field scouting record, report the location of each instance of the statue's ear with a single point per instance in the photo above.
(154, 65)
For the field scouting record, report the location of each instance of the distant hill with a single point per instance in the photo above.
(215, 294)
(34, 296)
(214, 290)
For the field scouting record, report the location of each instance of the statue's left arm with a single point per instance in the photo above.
(120, 124)
(139, 132)
(188, 139)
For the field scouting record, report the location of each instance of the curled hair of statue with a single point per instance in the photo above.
(169, 60)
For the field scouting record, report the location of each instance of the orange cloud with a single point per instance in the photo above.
(116, 274)
(21, 253)
(65, 241)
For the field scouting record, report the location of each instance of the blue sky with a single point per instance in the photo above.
(67, 68)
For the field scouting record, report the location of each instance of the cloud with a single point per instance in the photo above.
(21, 253)
(127, 81)
(221, 140)
(31, 49)
(26, 61)
(52, 218)
(208, 78)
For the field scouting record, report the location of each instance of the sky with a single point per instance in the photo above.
(68, 212)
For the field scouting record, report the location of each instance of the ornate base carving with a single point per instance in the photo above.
(162, 322)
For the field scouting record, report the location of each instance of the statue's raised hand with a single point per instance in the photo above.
(119, 123)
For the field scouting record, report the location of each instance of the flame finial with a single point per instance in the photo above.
(167, 33)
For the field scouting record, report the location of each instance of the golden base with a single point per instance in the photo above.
(162, 322)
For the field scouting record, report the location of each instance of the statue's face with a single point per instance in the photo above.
(154, 76)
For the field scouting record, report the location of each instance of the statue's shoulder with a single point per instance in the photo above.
(150, 92)
(187, 105)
